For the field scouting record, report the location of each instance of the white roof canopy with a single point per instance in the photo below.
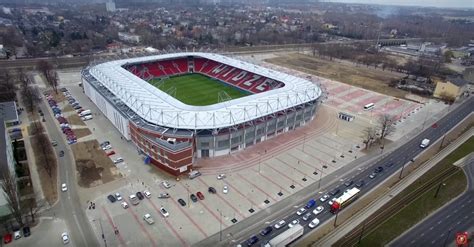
(158, 107)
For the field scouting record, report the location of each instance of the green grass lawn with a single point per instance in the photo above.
(426, 203)
(197, 89)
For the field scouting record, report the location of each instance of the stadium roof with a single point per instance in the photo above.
(157, 107)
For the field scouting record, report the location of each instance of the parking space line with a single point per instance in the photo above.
(189, 217)
(256, 187)
(302, 173)
(320, 160)
(109, 219)
(246, 197)
(170, 226)
(207, 208)
(302, 161)
(144, 230)
(284, 175)
(271, 181)
(222, 198)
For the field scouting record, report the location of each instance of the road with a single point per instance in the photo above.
(440, 228)
(391, 163)
(69, 206)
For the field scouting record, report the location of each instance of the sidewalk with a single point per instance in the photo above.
(359, 218)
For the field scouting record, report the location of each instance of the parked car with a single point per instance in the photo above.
(221, 176)
(193, 198)
(148, 219)
(200, 195)
(16, 234)
(225, 189)
(378, 169)
(279, 224)
(111, 198)
(166, 184)
(106, 147)
(26, 231)
(118, 196)
(7, 238)
(105, 143)
(118, 160)
(140, 195)
(163, 195)
(134, 199)
(182, 202)
(267, 230)
(61, 153)
(124, 205)
(164, 212)
(110, 153)
(147, 194)
(212, 190)
(373, 175)
(65, 237)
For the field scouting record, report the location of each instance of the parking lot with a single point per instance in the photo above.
(256, 178)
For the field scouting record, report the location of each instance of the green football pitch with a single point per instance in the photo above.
(197, 89)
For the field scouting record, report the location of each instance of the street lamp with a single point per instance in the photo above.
(439, 187)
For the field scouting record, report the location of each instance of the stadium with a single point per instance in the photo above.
(180, 107)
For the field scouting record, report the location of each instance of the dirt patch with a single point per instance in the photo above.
(35, 128)
(371, 79)
(93, 165)
(74, 119)
(68, 108)
(82, 132)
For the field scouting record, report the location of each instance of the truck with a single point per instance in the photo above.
(85, 113)
(425, 143)
(286, 237)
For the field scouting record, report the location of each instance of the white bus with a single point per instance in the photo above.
(369, 106)
(286, 237)
(349, 196)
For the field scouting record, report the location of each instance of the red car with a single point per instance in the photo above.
(110, 153)
(200, 195)
(7, 238)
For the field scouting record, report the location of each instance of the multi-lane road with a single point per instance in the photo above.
(440, 228)
(69, 206)
(391, 163)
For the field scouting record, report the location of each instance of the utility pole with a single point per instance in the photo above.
(439, 187)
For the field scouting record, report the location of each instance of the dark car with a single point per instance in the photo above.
(61, 153)
(360, 184)
(26, 231)
(182, 202)
(212, 190)
(252, 240)
(335, 192)
(193, 197)
(266, 231)
(111, 198)
(348, 183)
(389, 164)
(378, 169)
(140, 195)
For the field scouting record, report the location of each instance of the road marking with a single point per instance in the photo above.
(447, 216)
(256, 187)
(271, 181)
(462, 206)
(170, 226)
(109, 219)
(431, 228)
(284, 175)
(459, 222)
(189, 217)
(218, 195)
(144, 230)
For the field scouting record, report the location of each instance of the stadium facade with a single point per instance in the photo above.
(171, 134)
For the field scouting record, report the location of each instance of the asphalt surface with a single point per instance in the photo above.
(440, 228)
(391, 163)
(69, 206)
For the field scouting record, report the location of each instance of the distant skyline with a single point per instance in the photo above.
(425, 3)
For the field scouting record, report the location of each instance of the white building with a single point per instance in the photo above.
(110, 6)
(128, 37)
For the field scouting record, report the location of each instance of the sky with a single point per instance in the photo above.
(431, 3)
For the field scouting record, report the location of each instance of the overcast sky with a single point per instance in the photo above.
(434, 3)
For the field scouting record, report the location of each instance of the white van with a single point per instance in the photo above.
(87, 117)
(85, 113)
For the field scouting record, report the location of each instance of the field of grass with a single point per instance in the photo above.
(197, 89)
(426, 203)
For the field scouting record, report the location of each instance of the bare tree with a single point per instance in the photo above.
(9, 186)
(7, 86)
(368, 136)
(28, 93)
(386, 125)
(46, 151)
(51, 76)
